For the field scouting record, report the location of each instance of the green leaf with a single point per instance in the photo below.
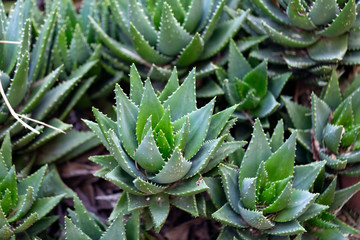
(281, 202)
(199, 125)
(236, 59)
(305, 175)
(216, 192)
(132, 227)
(227, 215)
(29, 221)
(256, 219)
(159, 209)
(257, 151)
(342, 196)
(141, 22)
(286, 229)
(135, 202)
(148, 155)
(277, 83)
(298, 15)
(218, 122)
(136, 85)
(148, 187)
(6, 151)
(116, 230)
(329, 49)
(171, 86)
(203, 156)
(145, 50)
(43, 206)
(280, 164)
(19, 85)
(174, 169)
(343, 22)
(191, 52)
(189, 187)
(34, 181)
(327, 197)
(313, 211)
(267, 106)
(332, 94)
(299, 114)
(24, 204)
(272, 10)
(127, 113)
(79, 49)
(72, 232)
(248, 193)
(230, 183)
(289, 37)
(320, 116)
(316, 12)
(150, 106)
(222, 34)
(257, 79)
(186, 203)
(277, 138)
(299, 202)
(332, 137)
(193, 15)
(172, 37)
(185, 92)
(37, 54)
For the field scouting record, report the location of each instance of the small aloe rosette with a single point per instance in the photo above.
(176, 32)
(23, 209)
(308, 34)
(262, 200)
(330, 129)
(251, 88)
(161, 145)
(82, 225)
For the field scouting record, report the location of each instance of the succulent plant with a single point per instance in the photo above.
(157, 34)
(161, 144)
(86, 226)
(250, 87)
(23, 211)
(29, 89)
(330, 129)
(263, 199)
(308, 34)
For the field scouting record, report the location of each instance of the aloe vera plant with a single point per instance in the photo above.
(23, 211)
(262, 200)
(330, 129)
(86, 226)
(161, 144)
(305, 37)
(249, 87)
(158, 33)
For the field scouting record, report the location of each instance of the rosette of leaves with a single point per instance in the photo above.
(161, 145)
(326, 225)
(29, 89)
(262, 201)
(83, 225)
(161, 33)
(22, 210)
(329, 130)
(250, 87)
(305, 37)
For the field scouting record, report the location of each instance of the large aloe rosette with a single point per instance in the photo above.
(176, 32)
(161, 144)
(250, 87)
(330, 129)
(263, 197)
(308, 34)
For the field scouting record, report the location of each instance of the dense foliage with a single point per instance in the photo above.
(169, 146)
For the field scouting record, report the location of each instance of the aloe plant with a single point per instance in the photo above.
(251, 88)
(23, 211)
(30, 89)
(326, 225)
(262, 199)
(86, 226)
(161, 144)
(329, 130)
(161, 33)
(305, 37)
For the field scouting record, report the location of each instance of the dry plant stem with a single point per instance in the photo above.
(9, 42)
(13, 113)
(17, 116)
